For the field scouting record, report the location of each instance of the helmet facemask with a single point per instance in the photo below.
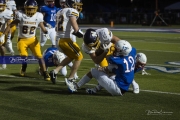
(30, 10)
(2, 7)
(78, 6)
(94, 45)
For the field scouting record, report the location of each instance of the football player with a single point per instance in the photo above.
(52, 57)
(140, 63)
(11, 5)
(49, 12)
(121, 64)
(98, 44)
(28, 21)
(5, 19)
(66, 19)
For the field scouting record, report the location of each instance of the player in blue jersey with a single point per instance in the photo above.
(49, 11)
(52, 57)
(140, 63)
(122, 64)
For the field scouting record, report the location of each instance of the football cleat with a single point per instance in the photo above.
(53, 76)
(90, 91)
(70, 85)
(135, 88)
(22, 73)
(23, 69)
(46, 76)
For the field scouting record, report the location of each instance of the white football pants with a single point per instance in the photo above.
(106, 82)
(52, 35)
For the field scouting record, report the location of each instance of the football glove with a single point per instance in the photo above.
(2, 39)
(79, 33)
(106, 47)
(145, 73)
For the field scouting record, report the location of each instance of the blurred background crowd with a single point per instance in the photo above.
(126, 11)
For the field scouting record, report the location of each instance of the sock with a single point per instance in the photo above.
(99, 87)
(55, 71)
(85, 79)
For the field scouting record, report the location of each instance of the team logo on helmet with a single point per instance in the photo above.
(91, 39)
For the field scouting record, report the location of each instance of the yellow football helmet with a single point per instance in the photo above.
(2, 5)
(30, 7)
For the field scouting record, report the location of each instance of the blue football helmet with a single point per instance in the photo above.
(30, 7)
(2, 5)
(91, 39)
(76, 4)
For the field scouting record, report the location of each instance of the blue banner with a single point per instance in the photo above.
(18, 60)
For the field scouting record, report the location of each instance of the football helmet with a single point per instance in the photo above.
(62, 3)
(2, 5)
(105, 35)
(11, 5)
(49, 3)
(30, 7)
(122, 48)
(91, 39)
(76, 4)
(141, 60)
(58, 57)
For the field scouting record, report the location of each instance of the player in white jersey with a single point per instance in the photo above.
(11, 5)
(5, 19)
(63, 71)
(66, 19)
(28, 22)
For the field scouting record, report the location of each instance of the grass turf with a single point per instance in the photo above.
(32, 98)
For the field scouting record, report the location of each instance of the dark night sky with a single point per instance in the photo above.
(117, 3)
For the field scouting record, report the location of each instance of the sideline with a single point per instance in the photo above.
(151, 91)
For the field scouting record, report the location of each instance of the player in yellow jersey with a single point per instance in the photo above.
(28, 22)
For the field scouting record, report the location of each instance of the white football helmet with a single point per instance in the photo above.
(58, 57)
(11, 5)
(105, 35)
(141, 60)
(122, 47)
(141, 57)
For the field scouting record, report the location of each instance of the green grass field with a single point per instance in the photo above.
(32, 98)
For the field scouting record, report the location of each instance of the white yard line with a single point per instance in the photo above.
(151, 91)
